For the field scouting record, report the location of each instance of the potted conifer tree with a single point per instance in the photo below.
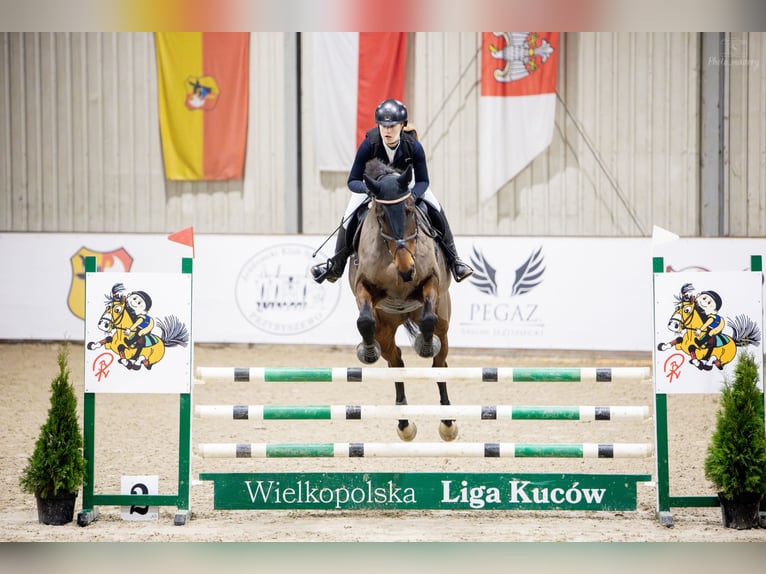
(56, 469)
(736, 457)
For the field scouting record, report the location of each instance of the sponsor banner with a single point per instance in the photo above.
(528, 292)
(434, 491)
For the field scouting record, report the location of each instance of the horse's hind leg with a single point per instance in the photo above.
(393, 354)
(447, 427)
(405, 429)
(427, 343)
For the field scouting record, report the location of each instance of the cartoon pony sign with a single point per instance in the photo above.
(701, 320)
(128, 344)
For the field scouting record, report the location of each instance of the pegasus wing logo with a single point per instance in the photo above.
(483, 277)
(528, 275)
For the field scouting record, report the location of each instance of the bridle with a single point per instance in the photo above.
(398, 243)
(109, 318)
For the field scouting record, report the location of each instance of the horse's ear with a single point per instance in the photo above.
(372, 185)
(404, 179)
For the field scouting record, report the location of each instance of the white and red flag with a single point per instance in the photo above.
(354, 72)
(517, 104)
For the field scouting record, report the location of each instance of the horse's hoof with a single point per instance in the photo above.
(427, 350)
(368, 354)
(407, 433)
(448, 432)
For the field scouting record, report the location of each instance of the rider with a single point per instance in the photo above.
(398, 146)
(138, 304)
(709, 304)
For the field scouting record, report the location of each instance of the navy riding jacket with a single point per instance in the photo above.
(409, 152)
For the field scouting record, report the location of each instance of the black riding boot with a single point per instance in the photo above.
(333, 268)
(460, 270)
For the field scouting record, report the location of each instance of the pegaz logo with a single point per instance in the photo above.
(275, 293)
(503, 309)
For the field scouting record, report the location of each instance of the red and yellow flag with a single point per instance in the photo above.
(203, 97)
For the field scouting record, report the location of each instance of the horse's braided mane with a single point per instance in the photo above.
(375, 169)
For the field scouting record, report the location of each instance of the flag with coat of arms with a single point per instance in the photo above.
(517, 103)
(203, 87)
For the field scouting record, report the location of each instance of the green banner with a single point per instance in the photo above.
(433, 491)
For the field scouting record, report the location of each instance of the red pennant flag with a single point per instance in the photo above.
(185, 237)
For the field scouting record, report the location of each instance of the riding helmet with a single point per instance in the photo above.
(390, 113)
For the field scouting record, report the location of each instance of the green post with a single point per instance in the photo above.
(184, 437)
(89, 417)
(661, 430)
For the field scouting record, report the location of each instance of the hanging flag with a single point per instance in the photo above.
(202, 82)
(354, 72)
(517, 104)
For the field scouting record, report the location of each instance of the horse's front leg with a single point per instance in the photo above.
(426, 344)
(670, 344)
(368, 351)
(92, 345)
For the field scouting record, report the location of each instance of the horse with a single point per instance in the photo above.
(399, 277)
(686, 320)
(115, 321)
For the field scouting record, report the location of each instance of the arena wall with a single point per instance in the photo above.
(80, 143)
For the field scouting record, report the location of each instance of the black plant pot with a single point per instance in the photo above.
(741, 512)
(56, 510)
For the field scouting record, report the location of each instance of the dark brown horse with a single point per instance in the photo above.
(399, 278)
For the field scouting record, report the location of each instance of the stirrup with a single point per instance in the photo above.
(325, 271)
(461, 271)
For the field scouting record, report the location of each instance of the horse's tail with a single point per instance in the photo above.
(174, 332)
(745, 331)
(412, 329)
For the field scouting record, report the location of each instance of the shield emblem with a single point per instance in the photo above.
(118, 260)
